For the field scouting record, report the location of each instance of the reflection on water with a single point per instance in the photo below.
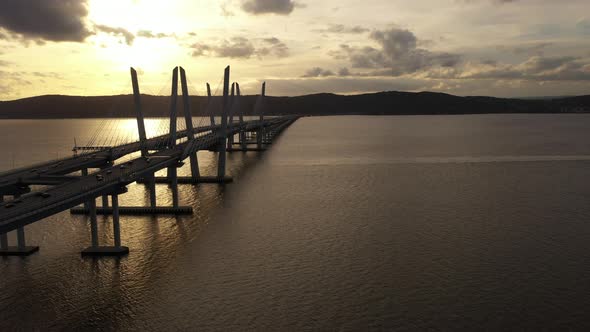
(349, 223)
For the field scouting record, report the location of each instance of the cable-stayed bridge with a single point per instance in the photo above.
(72, 186)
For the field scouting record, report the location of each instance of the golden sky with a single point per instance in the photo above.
(465, 47)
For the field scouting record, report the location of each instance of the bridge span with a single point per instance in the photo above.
(72, 184)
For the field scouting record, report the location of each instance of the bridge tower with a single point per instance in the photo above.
(259, 108)
(209, 108)
(242, 135)
(223, 132)
(232, 110)
(230, 139)
(172, 170)
(194, 161)
(142, 134)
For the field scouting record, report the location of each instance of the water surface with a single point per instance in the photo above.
(346, 223)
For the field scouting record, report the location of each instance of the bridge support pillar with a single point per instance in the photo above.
(93, 223)
(195, 166)
(3, 241)
(85, 173)
(173, 176)
(3, 237)
(95, 249)
(152, 188)
(221, 178)
(116, 224)
(243, 145)
(21, 249)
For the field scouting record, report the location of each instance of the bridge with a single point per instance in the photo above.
(72, 185)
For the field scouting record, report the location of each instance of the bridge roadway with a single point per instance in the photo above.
(16, 182)
(35, 206)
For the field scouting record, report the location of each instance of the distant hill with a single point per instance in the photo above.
(383, 103)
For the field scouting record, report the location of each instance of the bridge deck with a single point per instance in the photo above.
(11, 182)
(111, 179)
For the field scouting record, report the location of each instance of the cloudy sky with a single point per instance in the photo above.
(465, 47)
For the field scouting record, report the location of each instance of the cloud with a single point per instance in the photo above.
(536, 68)
(11, 80)
(150, 34)
(583, 26)
(344, 72)
(259, 7)
(241, 47)
(55, 20)
(398, 54)
(236, 47)
(341, 28)
(129, 37)
(318, 72)
(273, 47)
(225, 10)
(537, 49)
(345, 85)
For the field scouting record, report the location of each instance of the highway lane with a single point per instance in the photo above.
(11, 181)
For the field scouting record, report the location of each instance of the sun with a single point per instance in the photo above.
(135, 15)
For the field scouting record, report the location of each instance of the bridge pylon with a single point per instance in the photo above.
(142, 133)
(255, 135)
(71, 189)
(223, 132)
(260, 104)
(236, 109)
(188, 118)
(242, 135)
(209, 108)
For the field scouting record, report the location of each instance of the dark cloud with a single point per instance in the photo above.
(537, 49)
(129, 37)
(397, 55)
(258, 7)
(341, 28)
(240, 47)
(318, 72)
(236, 47)
(274, 47)
(536, 68)
(489, 62)
(49, 20)
(344, 72)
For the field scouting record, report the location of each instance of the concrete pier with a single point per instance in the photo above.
(21, 249)
(137, 210)
(191, 180)
(117, 249)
